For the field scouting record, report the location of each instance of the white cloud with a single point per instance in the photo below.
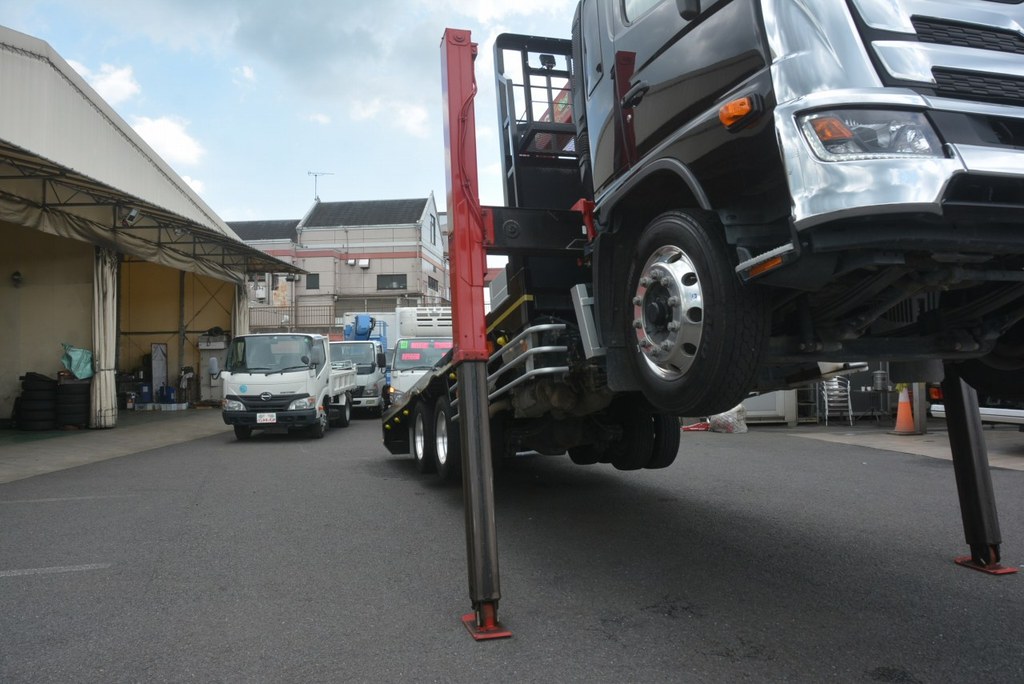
(412, 119)
(115, 85)
(195, 184)
(244, 75)
(361, 110)
(406, 116)
(490, 11)
(169, 138)
(319, 118)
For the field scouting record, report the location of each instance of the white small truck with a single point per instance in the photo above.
(285, 380)
(371, 369)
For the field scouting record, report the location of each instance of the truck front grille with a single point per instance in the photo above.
(971, 85)
(357, 391)
(279, 402)
(967, 35)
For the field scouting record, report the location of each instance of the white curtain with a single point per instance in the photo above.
(104, 338)
(240, 316)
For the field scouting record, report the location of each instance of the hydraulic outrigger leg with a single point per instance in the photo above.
(468, 266)
(973, 479)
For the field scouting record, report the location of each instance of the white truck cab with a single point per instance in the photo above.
(284, 380)
(370, 362)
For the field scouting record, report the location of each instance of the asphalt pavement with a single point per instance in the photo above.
(780, 555)
(26, 454)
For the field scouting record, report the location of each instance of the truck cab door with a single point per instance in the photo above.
(670, 70)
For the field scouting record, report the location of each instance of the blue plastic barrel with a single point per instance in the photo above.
(146, 394)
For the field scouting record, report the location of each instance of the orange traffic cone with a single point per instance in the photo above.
(904, 416)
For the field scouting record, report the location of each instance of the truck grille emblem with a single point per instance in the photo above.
(266, 396)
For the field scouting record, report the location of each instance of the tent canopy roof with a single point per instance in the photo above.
(70, 166)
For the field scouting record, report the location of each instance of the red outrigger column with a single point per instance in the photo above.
(468, 266)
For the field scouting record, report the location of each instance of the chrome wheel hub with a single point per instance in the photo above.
(668, 312)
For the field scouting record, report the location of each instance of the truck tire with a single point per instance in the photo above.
(421, 438)
(344, 414)
(243, 432)
(635, 449)
(319, 428)
(585, 454)
(447, 444)
(695, 333)
(1000, 373)
(666, 441)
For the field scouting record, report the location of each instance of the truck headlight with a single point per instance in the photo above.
(232, 405)
(859, 134)
(371, 391)
(304, 403)
(396, 396)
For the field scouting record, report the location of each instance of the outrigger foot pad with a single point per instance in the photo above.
(483, 623)
(990, 568)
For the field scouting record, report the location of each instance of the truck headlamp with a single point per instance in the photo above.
(397, 396)
(859, 134)
(232, 405)
(304, 403)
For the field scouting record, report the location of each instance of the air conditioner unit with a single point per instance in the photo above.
(351, 262)
(364, 263)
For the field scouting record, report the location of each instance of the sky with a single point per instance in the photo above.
(244, 99)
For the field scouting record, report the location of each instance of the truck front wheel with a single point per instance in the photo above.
(243, 432)
(695, 332)
(319, 428)
(421, 438)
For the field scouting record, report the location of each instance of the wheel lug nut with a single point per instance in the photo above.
(672, 301)
(637, 301)
(666, 345)
(673, 326)
(638, 324)
(645, 282)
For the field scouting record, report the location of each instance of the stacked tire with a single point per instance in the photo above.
(37, 405)
(73, 403)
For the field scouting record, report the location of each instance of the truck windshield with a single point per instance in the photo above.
(420, 353)
(359, 353)
(268, 354)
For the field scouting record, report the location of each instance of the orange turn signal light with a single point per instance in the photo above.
(831, 129)
(731, 113)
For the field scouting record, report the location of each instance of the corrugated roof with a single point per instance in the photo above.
(265, 230)
(366, 213)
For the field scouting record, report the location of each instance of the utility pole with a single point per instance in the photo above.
(316, 175)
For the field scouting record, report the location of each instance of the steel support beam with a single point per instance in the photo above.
(469, 233)
(973, 479)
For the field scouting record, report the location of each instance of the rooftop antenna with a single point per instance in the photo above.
(316, 175)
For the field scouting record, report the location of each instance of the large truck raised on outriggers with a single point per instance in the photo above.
(707, 198)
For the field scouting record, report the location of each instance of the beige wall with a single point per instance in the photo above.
(52, 305)
(150, 313)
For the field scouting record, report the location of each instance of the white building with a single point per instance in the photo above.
(359, 256)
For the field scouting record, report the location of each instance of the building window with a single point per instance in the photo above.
(313, 281)
(431, 283)
(393, 281)
(433, 229)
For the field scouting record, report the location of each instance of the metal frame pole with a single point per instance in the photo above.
(469, 231)
(973, 478)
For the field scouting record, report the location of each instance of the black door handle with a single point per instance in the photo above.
(634, 95)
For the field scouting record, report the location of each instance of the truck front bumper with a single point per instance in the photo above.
(261, 419)
(366, 402)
